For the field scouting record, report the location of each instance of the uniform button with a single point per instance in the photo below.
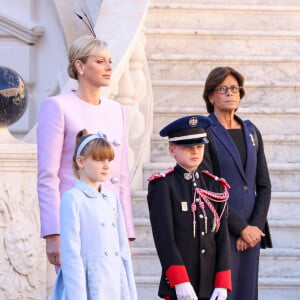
(116, 253)
(245, 188)
(202, 233)
(201, 216)
(106, 253)
(202, 251)
(113, 224)
(103, 224)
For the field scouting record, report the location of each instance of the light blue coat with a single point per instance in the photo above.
(96, 259)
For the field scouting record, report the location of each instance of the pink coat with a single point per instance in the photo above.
(60, 119)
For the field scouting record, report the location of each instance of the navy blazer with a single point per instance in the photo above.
(250, 191)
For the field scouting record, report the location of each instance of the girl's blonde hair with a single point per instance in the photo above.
(97, 149)
(81, 48)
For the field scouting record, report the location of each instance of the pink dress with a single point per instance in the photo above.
(60, 119)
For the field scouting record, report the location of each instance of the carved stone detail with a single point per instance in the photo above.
(23, 261)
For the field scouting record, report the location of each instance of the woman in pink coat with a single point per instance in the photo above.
(60, 118)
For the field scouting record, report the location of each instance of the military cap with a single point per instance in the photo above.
(187, 131)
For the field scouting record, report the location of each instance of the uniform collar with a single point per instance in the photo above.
(186, 174)
(88, 190)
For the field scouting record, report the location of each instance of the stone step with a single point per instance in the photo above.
(275, 148)
(269, 288)
(268, 58)
(285, 234)
(197, 67)
(269, 120)
(258, 93)
(278, 288)
(147, 287)
(279, 273)
(229, 2)
(283, 206)
(139, 204)
(222, 42)
(226, 17)
(145, 262)
(279, 262)
(274, 262)
(144, 238)
(283, 149)
(282, 175)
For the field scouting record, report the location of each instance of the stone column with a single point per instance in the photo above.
(22, 252)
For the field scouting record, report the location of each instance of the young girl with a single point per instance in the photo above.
(96, 259)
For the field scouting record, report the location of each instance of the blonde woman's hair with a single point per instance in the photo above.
(81, 48)
(97, 149)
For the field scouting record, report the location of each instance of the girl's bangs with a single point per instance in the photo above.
(102, 150)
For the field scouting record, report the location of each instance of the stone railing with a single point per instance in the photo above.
(120, 23)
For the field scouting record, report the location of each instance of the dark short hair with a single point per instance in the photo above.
(217, 76)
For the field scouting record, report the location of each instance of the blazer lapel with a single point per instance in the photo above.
(221, 134)
(250, 147)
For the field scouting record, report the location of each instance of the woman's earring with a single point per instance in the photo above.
(81, 73)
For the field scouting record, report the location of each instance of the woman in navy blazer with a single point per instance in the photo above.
(236, 153)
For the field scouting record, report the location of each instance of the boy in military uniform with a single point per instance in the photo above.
(188, 216)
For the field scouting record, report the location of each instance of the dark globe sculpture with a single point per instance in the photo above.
(13, 101)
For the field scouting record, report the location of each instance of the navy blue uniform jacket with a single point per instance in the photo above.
(203, 260)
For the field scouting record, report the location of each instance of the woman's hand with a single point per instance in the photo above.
(53, 249)
(241, 245)
(252, 235)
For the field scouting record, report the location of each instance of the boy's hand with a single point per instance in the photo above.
(219, 294)
(185, 291)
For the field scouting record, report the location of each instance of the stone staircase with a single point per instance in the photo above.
(185, 40)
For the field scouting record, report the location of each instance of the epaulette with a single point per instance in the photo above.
(160, 174)
(222, 181)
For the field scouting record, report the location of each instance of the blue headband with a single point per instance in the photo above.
(88, 139)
